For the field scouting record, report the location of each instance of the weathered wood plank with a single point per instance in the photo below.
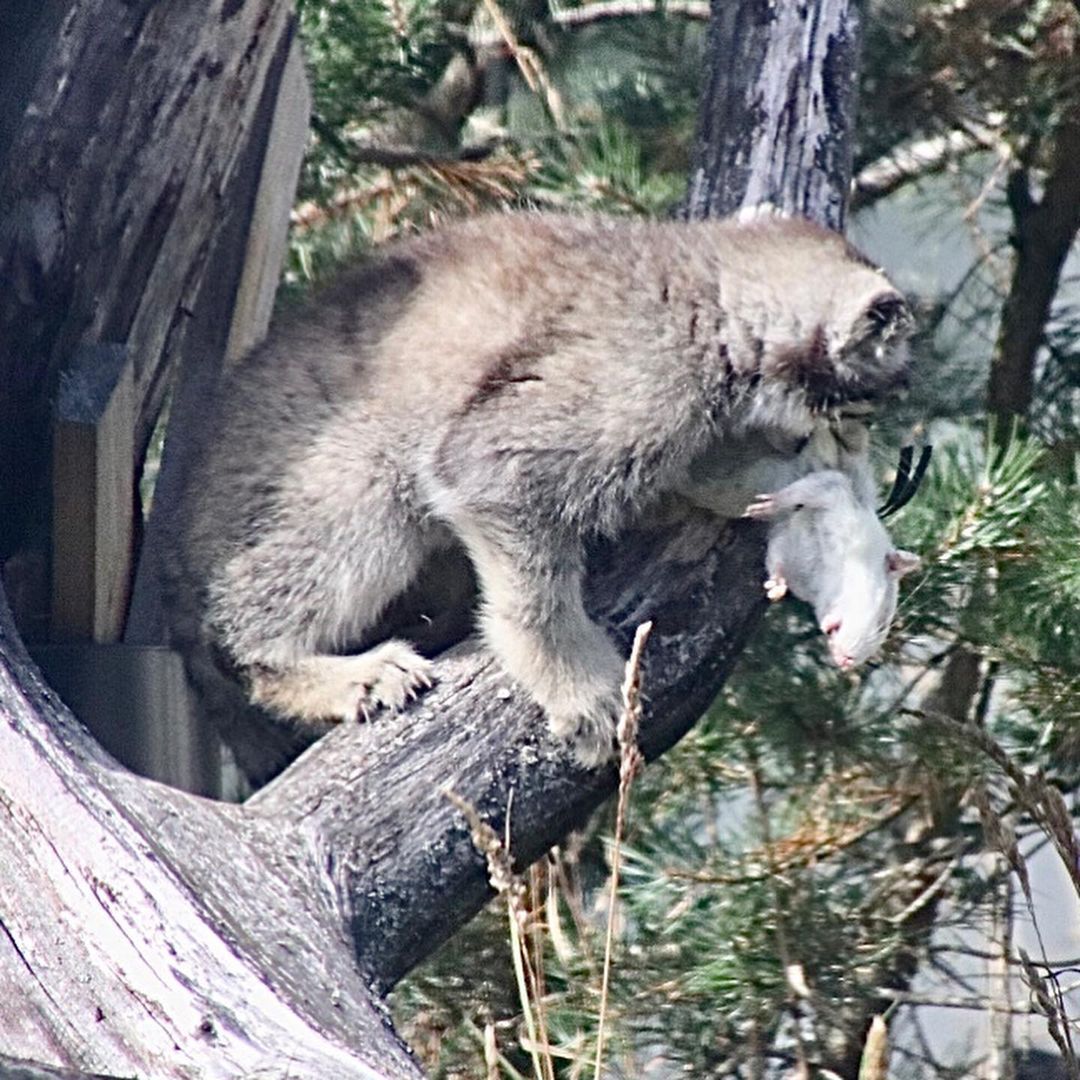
(114, 960)
(93, 495)
(268, 233)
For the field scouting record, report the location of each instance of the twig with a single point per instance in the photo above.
(926, 895)
(1049, 1000)
(985, 954)
(794, 975)
(977, 1003)
(506, 883)
(491, 1052)
(532, 70)
(906, 164)
(874, 1064)
(495, 178)
(603, 11)
(406, 157)
(1032, 791)
(630, 764)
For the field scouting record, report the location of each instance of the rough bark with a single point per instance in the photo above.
(144, 930)
(405, 866)
(111, 187)
(147, 932)
(775, 124)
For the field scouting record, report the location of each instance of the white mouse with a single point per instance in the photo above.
(830, 549)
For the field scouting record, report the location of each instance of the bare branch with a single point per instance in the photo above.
(406, 157)
(924, 157)
(606, 11)
(978, 1003)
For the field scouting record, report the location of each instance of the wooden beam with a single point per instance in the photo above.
(112, 190)
(268, 235)
(231, 310)
(93, 495)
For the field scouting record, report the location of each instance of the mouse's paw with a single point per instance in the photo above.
(762, 508)
(776, 588)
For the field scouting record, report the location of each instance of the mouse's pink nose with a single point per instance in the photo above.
(840, 656)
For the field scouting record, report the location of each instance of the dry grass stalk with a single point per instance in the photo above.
(1035, 794)
(1046, 806)
(874, 1064)
(1001, 836)
(560, 941)
(1048, 999)
(631, 762)
(506, 883)
(1032, 793)
(1055, 819)
(536, 943)
(491, 1052)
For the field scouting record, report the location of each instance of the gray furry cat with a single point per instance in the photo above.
(512, 384)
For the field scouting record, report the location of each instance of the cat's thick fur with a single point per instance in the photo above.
(512, 384)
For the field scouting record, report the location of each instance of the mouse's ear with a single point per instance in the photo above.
(900, 562)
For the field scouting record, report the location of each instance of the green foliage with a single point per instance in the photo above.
(628, 92)
(364, 59)
(600, 168)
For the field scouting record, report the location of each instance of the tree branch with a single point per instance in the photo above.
(147, 932)
(907, 164)
(199, 937)
(371, 796)
(604, 11)
(1044, 232)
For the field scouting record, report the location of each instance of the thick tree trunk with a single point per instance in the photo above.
(148, 932)
(776, 114)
